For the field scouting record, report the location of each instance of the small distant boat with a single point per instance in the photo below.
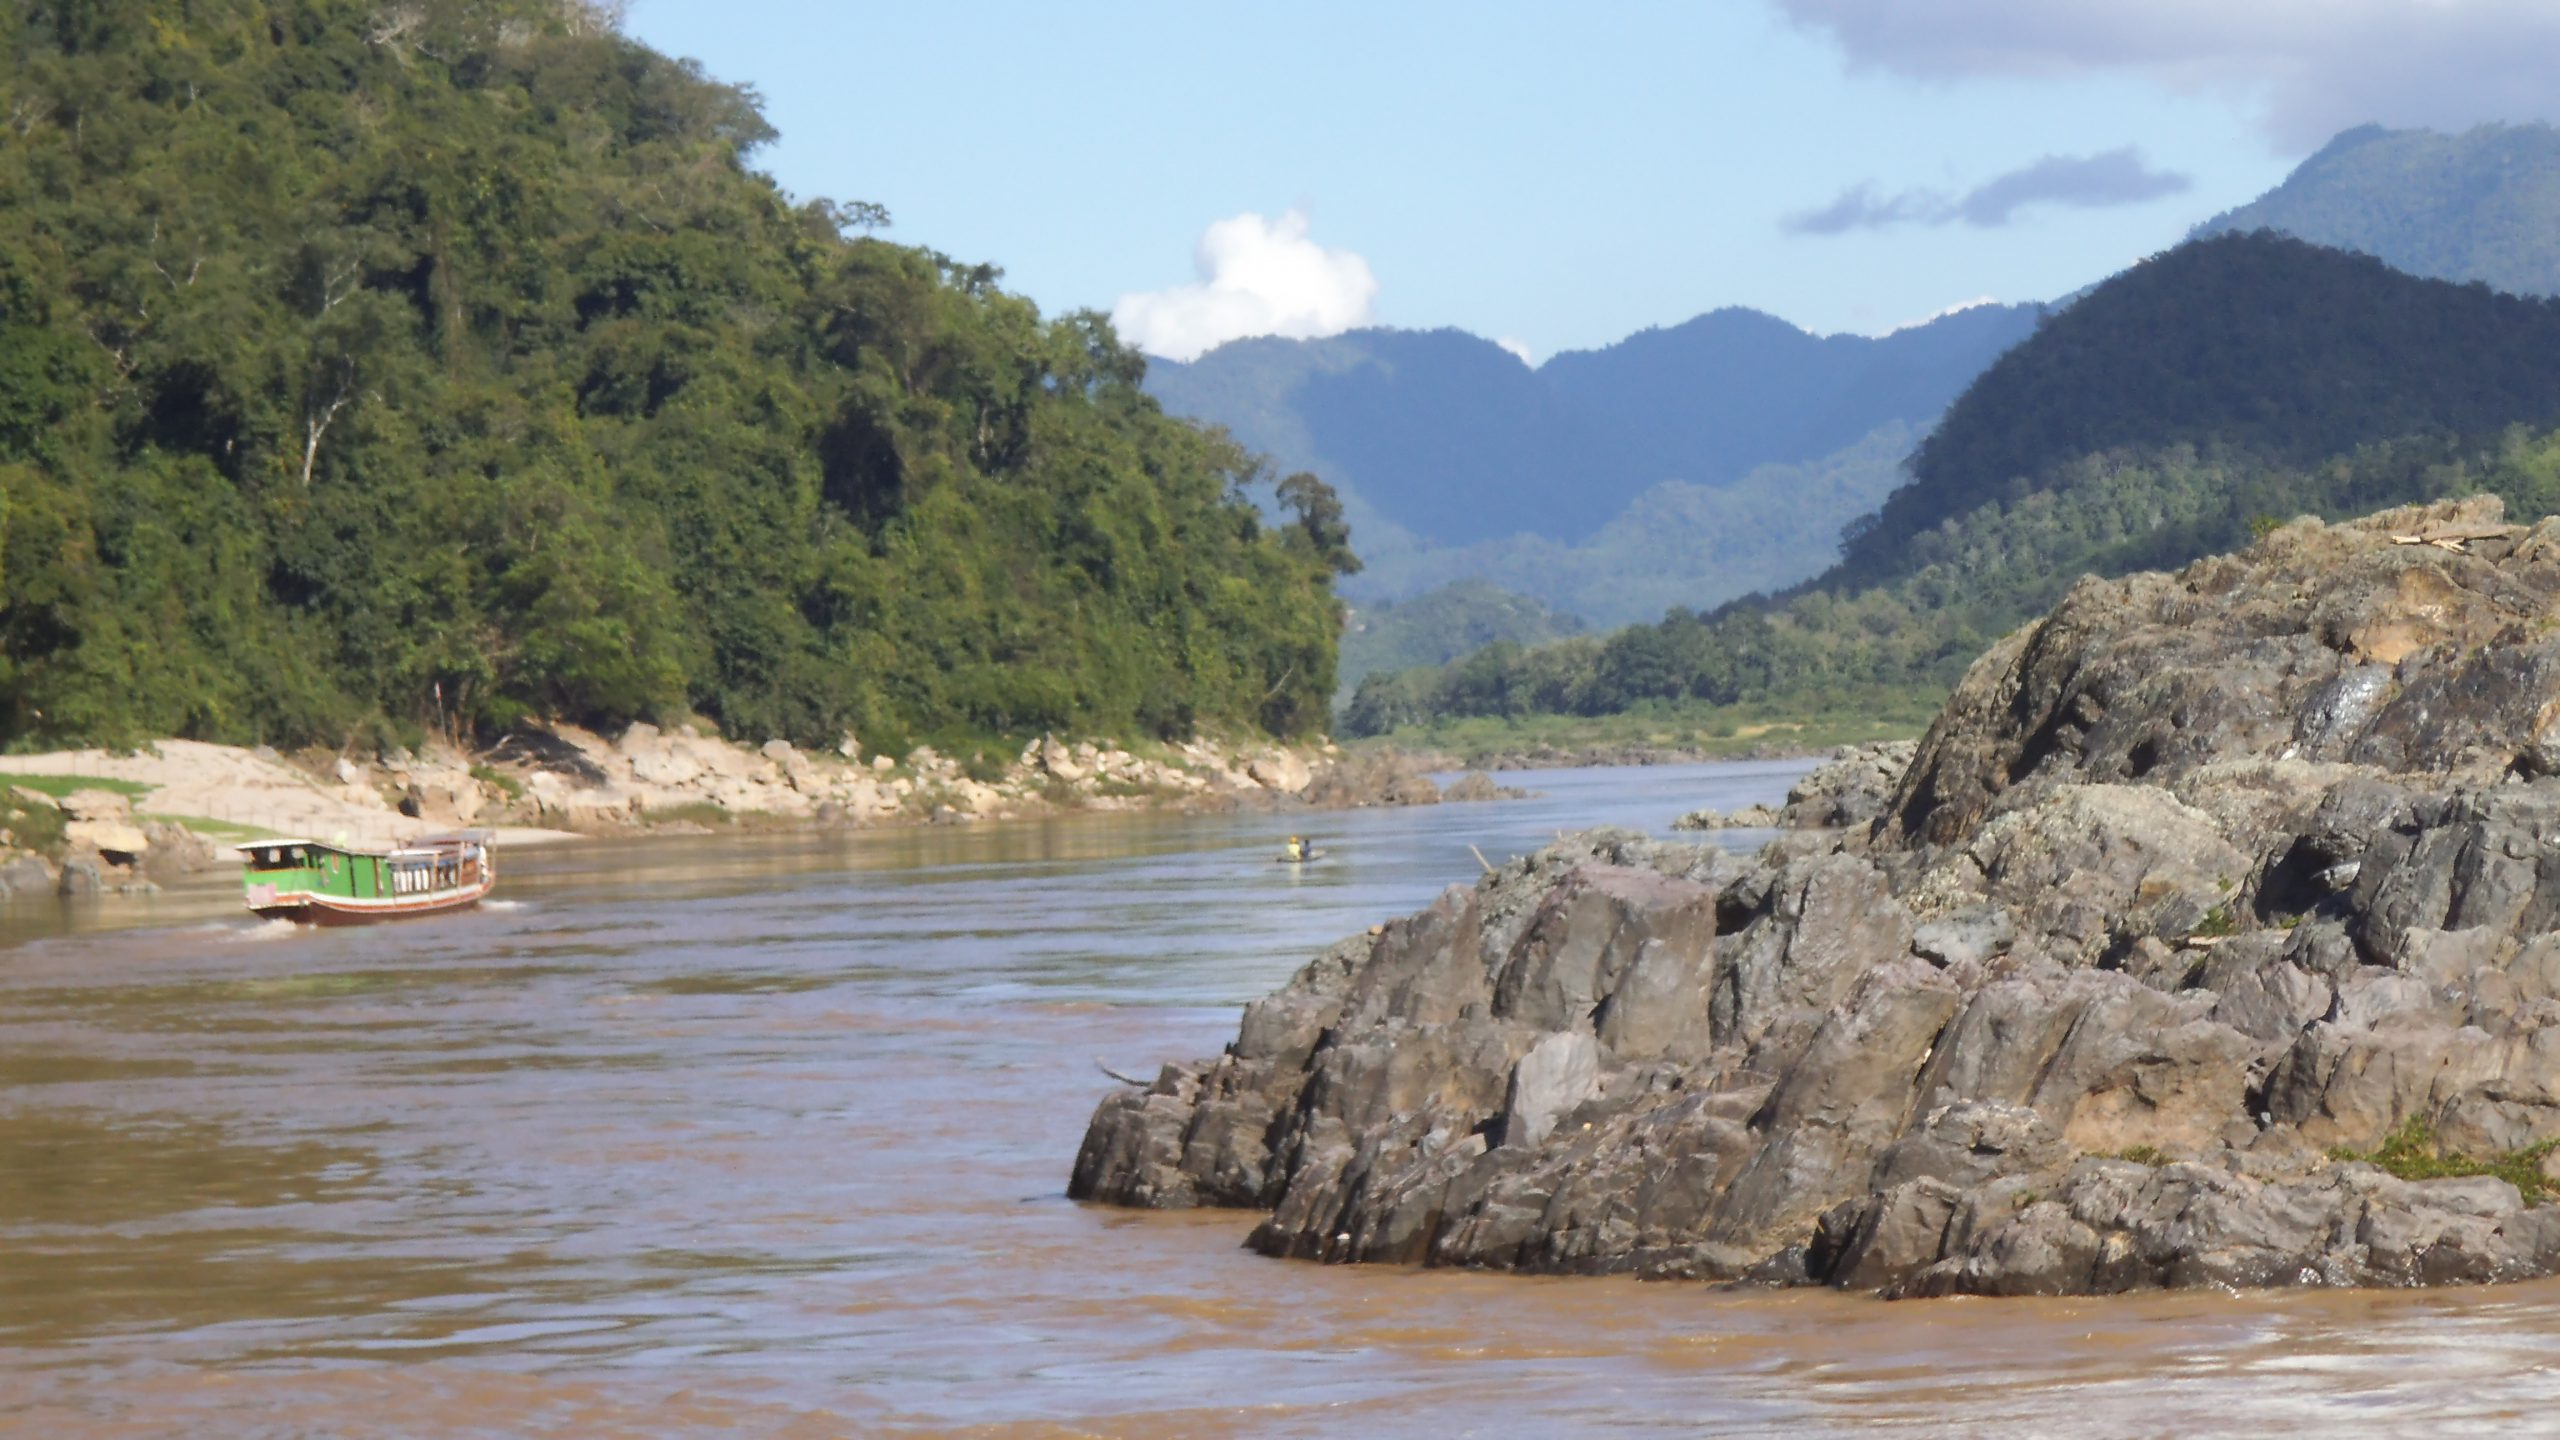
(1304, 857)
(314, 883)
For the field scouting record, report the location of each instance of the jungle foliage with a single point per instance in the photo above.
(438, 363)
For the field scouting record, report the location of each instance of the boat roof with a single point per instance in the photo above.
(422, 845)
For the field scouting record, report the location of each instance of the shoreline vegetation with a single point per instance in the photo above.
(79, 823)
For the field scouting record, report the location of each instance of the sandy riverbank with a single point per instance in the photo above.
(100, 821)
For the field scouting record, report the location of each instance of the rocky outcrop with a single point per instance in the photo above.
(1373, 777)
(24, 877)
(1476, 786)
(1851, 788)
(2196, 890)
(1749, 817)
(88, 841)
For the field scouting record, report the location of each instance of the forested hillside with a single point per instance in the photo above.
(2222, 387)
(436, 364)
(2252, 344)
(2482, 205)
(1443, 624)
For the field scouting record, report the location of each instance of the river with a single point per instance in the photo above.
(767, 1135)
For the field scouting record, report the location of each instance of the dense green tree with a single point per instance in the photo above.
(443, 363)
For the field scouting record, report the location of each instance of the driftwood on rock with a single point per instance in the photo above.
(2196, 885)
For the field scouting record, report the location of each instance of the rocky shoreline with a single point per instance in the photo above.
(1853, 787)
(2211, 937)
(122, 822)
(1601, 756)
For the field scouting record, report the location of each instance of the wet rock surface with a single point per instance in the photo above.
(2196, 886)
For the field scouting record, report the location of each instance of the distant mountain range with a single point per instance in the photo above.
(2197, 398)
(1457, 459)
(2482, 205)
(1693, 465)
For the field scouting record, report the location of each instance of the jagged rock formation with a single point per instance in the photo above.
(2193, 885)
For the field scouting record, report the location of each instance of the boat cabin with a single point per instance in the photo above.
(312, 880)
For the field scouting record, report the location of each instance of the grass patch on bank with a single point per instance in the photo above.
(218, 831)
(506, 784)
(59, 786)
(1715, 731)
(32, 824)
(2412, 1152)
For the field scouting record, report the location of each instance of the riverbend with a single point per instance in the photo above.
(768, 1135)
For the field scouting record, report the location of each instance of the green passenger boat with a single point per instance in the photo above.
(315, 883)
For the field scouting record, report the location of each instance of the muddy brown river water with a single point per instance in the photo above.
(767, 1136)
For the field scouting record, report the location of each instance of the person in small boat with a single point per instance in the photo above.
(1295, 848)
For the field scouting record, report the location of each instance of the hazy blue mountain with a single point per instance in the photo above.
(1711, 400)
(1685, 465)
(1677, 543)
(2482, 205)
(1452, 440)
(2176, 410)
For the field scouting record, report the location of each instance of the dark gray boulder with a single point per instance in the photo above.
(2193, 887)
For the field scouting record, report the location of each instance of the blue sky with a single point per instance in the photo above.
(1563, 176)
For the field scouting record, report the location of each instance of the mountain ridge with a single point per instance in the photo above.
(1444, 433)
(2228, 384)
(2481, 205)
(1666, 468)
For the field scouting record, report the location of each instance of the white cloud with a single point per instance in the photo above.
(1933, 317)
(1518, 348)
(1257, 277)
(2313, 67)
